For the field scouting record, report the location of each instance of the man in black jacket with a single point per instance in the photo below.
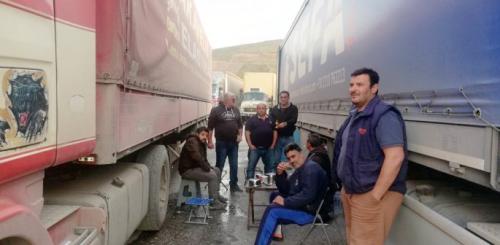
(194, 165)
(225, 120)
(299, 195)
(284, 116)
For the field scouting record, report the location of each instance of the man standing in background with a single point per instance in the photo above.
(225, 119)
(261, 136)
(284, 116)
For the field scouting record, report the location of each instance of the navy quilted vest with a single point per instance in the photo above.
(364, 157)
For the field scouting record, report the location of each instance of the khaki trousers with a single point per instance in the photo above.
(368, 221)
(212, 177)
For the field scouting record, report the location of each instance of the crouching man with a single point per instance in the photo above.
(299, 195)
(193, 165)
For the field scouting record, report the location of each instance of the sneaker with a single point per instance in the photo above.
(236, 188)
(222, 199)
(217, 205)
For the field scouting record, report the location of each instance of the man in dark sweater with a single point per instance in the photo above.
(194, 165)
(299, 195)
(284, 116)
(261, 136)
(225, 119)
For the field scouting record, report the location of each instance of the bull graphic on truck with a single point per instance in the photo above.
(23, 115)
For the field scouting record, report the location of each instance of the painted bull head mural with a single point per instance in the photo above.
(23, 120)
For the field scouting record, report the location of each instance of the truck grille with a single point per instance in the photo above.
(249, 109)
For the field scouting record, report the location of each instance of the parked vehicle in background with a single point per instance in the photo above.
(92, 83)
(259, 87)
(441, 71)
(250, 101)
(226, 82)
(261, 81)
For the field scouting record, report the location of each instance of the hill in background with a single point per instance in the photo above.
(255, 57)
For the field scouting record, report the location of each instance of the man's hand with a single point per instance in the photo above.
(271, 147)
(252, 147)
(238, 138)
(282, 166)
(279, 200)
(210, 145)
(394, 157)
(281, 125)
(375, 195)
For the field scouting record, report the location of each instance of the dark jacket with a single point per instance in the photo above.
(320, 156)
(288, 115)
(193, 155)
(364, 156)
(305, 188)
(225, 122)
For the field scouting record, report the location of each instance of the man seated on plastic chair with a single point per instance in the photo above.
(299, 195)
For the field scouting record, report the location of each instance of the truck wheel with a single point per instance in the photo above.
(14, 241)
(155, 157)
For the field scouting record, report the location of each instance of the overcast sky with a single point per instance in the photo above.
(235, 22)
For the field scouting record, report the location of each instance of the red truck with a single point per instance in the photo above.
(95, 98)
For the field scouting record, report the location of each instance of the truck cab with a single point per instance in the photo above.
(250, 101)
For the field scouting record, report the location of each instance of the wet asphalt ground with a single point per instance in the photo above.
(230, 226)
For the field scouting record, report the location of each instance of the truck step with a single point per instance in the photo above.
(488, 231)
(51, 214)
(84, 236)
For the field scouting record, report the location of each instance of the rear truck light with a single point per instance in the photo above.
(90, 159)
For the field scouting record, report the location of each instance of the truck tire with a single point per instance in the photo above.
(155, 157)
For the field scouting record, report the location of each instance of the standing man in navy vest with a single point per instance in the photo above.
(284, 116)
(370, 158)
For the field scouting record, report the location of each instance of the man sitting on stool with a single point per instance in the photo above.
(193, 165)
(299, 195)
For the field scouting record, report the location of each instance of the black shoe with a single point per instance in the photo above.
(222, 199)
(235, 188)
(217, 205)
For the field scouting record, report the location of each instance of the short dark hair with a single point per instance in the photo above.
(201, 129)
(315, 140)
(285, 92)
(374, 78)
(292, 147)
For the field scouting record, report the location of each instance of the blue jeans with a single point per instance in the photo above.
(279, 155)
(276, 214)
(227, 149)
(253, 158)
